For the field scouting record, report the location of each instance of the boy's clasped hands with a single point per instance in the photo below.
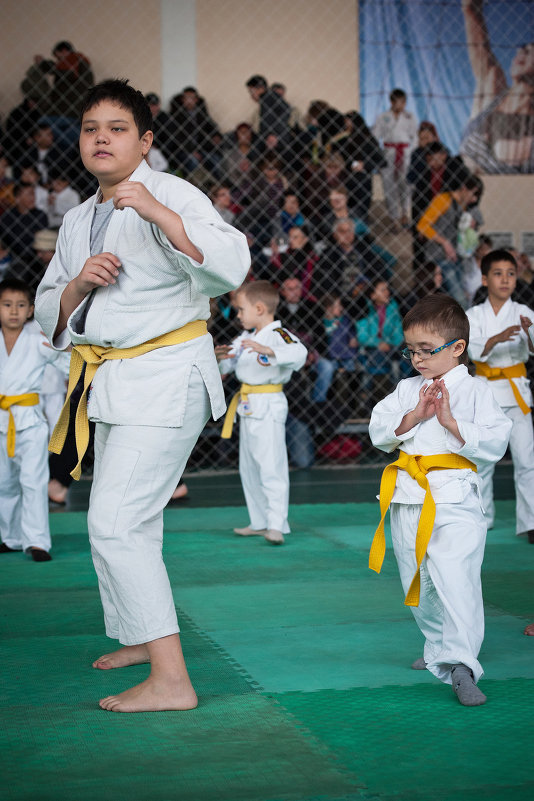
(434, 400)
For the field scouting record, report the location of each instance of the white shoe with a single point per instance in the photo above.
(250, 532)
(274, 537)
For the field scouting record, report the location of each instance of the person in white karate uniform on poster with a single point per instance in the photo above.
(446, 425)
(499, 345)
(129, 285)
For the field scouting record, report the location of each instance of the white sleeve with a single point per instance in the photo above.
(477, 336)
(288, 349)
(386, 417)
(486, 437)
(226, 256)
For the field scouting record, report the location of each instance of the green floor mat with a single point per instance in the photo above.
(300, 656)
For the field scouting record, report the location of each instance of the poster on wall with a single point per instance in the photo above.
(467, 67)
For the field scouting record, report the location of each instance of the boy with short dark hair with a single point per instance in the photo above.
(263, 358)
(500, 346)
(23, 428)
(446, 425)
(130, 284)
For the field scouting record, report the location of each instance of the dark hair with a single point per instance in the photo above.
(276, 86)
(442, 315)
(118, 91)
(63, 45)
(397, 94)
(16, 285)
(257, 82)
(261, 291)
(190, 89)
(327, 301)
(435, 147)
(18, 188)
(493, 257)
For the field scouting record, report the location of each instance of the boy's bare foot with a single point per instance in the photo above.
(57, 493)
(180, 493)
(124, 657)
(153, 695)
(529, 631)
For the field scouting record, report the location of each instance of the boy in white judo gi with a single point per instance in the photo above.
(129, 285)
(24, 475)
(446, 425)
(499, 345)
(263, 358)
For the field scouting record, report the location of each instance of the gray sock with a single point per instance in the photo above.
(465, 688)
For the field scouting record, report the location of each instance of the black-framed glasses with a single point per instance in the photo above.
(425, 353)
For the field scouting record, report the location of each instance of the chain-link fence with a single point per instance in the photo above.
(353, 214)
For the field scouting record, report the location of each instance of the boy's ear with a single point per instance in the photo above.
(484, 279)
(459, 347)
(146, 141)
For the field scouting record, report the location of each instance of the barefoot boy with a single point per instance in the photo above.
(263, 358)
(446, 424)
(130, 284)
(499, 345)
(23, 427)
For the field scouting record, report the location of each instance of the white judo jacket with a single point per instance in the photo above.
(481, 422)
(483, 324)
(251, 367)
(158, 289)
(22, 371)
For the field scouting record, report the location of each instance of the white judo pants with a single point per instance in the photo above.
(397, 190)
(136, 471)
(24, 490)
(450, 612)
(264, 472)
(522, 450)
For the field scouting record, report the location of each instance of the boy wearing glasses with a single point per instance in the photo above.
(499, 347)
(446, 425)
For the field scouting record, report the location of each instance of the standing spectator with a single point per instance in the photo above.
(19, 225)
(378, 334)
(162, 126)
(396, 129)
(427, 173)
(192, 130)
(274, 111)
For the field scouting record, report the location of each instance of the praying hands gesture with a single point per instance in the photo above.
(434, 399)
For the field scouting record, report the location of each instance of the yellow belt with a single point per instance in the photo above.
(514, 371)
(242, 394)
(6, 402)
(93, 356)
(417, 467)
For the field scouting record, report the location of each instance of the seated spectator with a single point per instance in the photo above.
(31, 267)
(61, 198)
(19, 224)
(298, 261)
(316, 188)
(289, 217)
(428, 280)
(20, 121)
(192, 130)
(363, 157)
(28, 176)
(239, 146)
(222, 202)
(379, 334)
(267, 192)
(6, 186)
(346, 263)
(336, 346)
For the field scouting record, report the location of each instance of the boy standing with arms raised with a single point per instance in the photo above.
(499, 346)
(130, 284)
(446, 425)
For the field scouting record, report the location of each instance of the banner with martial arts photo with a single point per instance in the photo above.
(467, 66)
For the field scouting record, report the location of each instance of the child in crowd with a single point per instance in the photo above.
(500, 346)
(130, 285)
(24, 431)
(61, 198)
(263, 358)
(378, 333)
(446, 425)
(338, 346)
(222, 202)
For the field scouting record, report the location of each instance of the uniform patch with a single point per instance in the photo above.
(263, 360)
(286, 336)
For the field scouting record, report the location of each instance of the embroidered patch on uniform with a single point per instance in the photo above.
(263, 360)
(288, 339)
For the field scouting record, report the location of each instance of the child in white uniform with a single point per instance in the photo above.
(263, 358)
(446, 424)
(24, 357)
(130, 283)
(499, 345)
